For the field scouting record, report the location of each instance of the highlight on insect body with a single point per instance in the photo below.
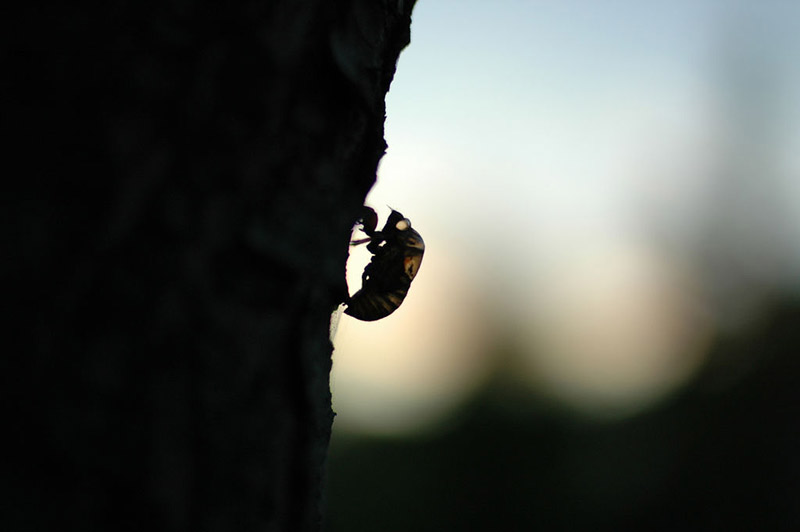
(397, 252)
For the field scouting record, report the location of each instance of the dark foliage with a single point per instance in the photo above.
(722, 455)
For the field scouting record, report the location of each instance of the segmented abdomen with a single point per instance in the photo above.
(369, 306)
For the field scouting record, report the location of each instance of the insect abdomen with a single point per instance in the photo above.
(371, 306)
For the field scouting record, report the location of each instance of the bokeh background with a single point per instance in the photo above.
(604, 332)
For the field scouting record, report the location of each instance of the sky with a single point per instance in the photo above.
(603, 185)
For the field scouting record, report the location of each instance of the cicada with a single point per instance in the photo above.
(397, 252)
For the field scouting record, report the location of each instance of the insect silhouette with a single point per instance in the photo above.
(396, 256)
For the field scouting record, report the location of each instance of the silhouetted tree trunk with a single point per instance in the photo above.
(184, 178)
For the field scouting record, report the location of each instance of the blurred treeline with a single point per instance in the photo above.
(720, 455)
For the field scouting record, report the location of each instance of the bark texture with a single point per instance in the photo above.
(186, 175)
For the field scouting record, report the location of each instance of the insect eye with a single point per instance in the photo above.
(403, 224)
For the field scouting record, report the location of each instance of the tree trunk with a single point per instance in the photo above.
(187, 179)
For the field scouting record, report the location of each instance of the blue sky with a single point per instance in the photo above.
(540, 146)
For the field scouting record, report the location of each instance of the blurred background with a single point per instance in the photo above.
(604, 331)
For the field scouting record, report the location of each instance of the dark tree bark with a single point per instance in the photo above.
(185, 177)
